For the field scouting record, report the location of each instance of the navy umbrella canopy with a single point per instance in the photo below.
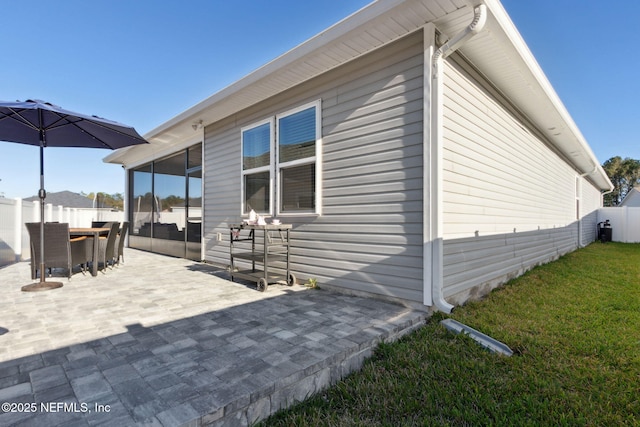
(46, 125)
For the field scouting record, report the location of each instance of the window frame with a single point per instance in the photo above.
(267, 168)
(279, 166)
(275, 167)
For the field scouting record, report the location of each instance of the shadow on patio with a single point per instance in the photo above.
(167, 341)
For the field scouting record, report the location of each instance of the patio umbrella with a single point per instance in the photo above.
(46, 125)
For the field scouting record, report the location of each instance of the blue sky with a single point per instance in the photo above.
(143, 62)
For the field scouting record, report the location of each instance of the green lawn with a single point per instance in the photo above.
(573, 324)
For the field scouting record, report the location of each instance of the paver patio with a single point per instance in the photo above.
(168, 341)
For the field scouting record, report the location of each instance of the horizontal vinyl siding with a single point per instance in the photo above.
(369, 236)
(221, 166)
(475, 265)
(591, 201)
(498, 177)
(509, 200)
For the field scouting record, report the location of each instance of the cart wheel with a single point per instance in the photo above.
(261, 285)
(291, 280)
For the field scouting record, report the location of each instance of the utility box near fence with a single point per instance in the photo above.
(605, 232)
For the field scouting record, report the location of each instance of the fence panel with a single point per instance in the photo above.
(14, 213)
(30, 213)
(625, 223)
(8, 244)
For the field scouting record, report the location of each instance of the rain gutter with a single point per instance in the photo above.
(604, 193)
(433, 264)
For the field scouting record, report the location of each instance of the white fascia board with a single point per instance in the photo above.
(130, 157)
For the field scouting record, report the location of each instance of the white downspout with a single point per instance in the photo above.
(434, 199)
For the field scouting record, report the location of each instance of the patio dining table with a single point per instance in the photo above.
(94, 233)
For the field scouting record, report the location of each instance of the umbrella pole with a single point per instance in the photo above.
(42, 285)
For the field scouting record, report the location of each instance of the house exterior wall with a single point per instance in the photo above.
(633, 199)
(510, 201)
(590, 203)
(369, 236)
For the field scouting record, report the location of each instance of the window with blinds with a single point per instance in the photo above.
(279, 162)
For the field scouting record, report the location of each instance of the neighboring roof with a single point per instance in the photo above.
(68, 199)
(499, 52)
(632, 199)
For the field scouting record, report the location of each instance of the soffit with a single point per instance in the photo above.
(375, 25)
(501, 54)
(498, 52)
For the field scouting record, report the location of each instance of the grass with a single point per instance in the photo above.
(574, 325)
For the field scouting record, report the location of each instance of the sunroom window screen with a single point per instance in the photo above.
(255, 147)
(297, 135)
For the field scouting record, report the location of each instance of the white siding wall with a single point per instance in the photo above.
(509, 200)
(369, 237)
(590, 202)
(498, 176)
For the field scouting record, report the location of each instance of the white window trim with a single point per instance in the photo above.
(269, 167)
(299, 162)
(275, 166)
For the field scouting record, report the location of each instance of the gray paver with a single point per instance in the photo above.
(165, 341)
(178, 415)
(49, 377)
(119, 374)
(7, 394)
(90, 388)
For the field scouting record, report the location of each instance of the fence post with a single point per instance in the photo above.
(17, 228)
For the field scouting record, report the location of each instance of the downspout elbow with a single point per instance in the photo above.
(595, 169)
(442, 305)
(479, 20)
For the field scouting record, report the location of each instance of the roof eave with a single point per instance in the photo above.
(243, 91)
(532, 93)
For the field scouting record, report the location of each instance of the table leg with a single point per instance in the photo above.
(94, 264)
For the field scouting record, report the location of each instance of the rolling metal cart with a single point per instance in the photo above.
(263, 246)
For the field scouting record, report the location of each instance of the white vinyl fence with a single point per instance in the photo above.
(14, 239)
(625, 223)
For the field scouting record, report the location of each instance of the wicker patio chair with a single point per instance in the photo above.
(107, 245)
(119, 246)
(60, 251)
